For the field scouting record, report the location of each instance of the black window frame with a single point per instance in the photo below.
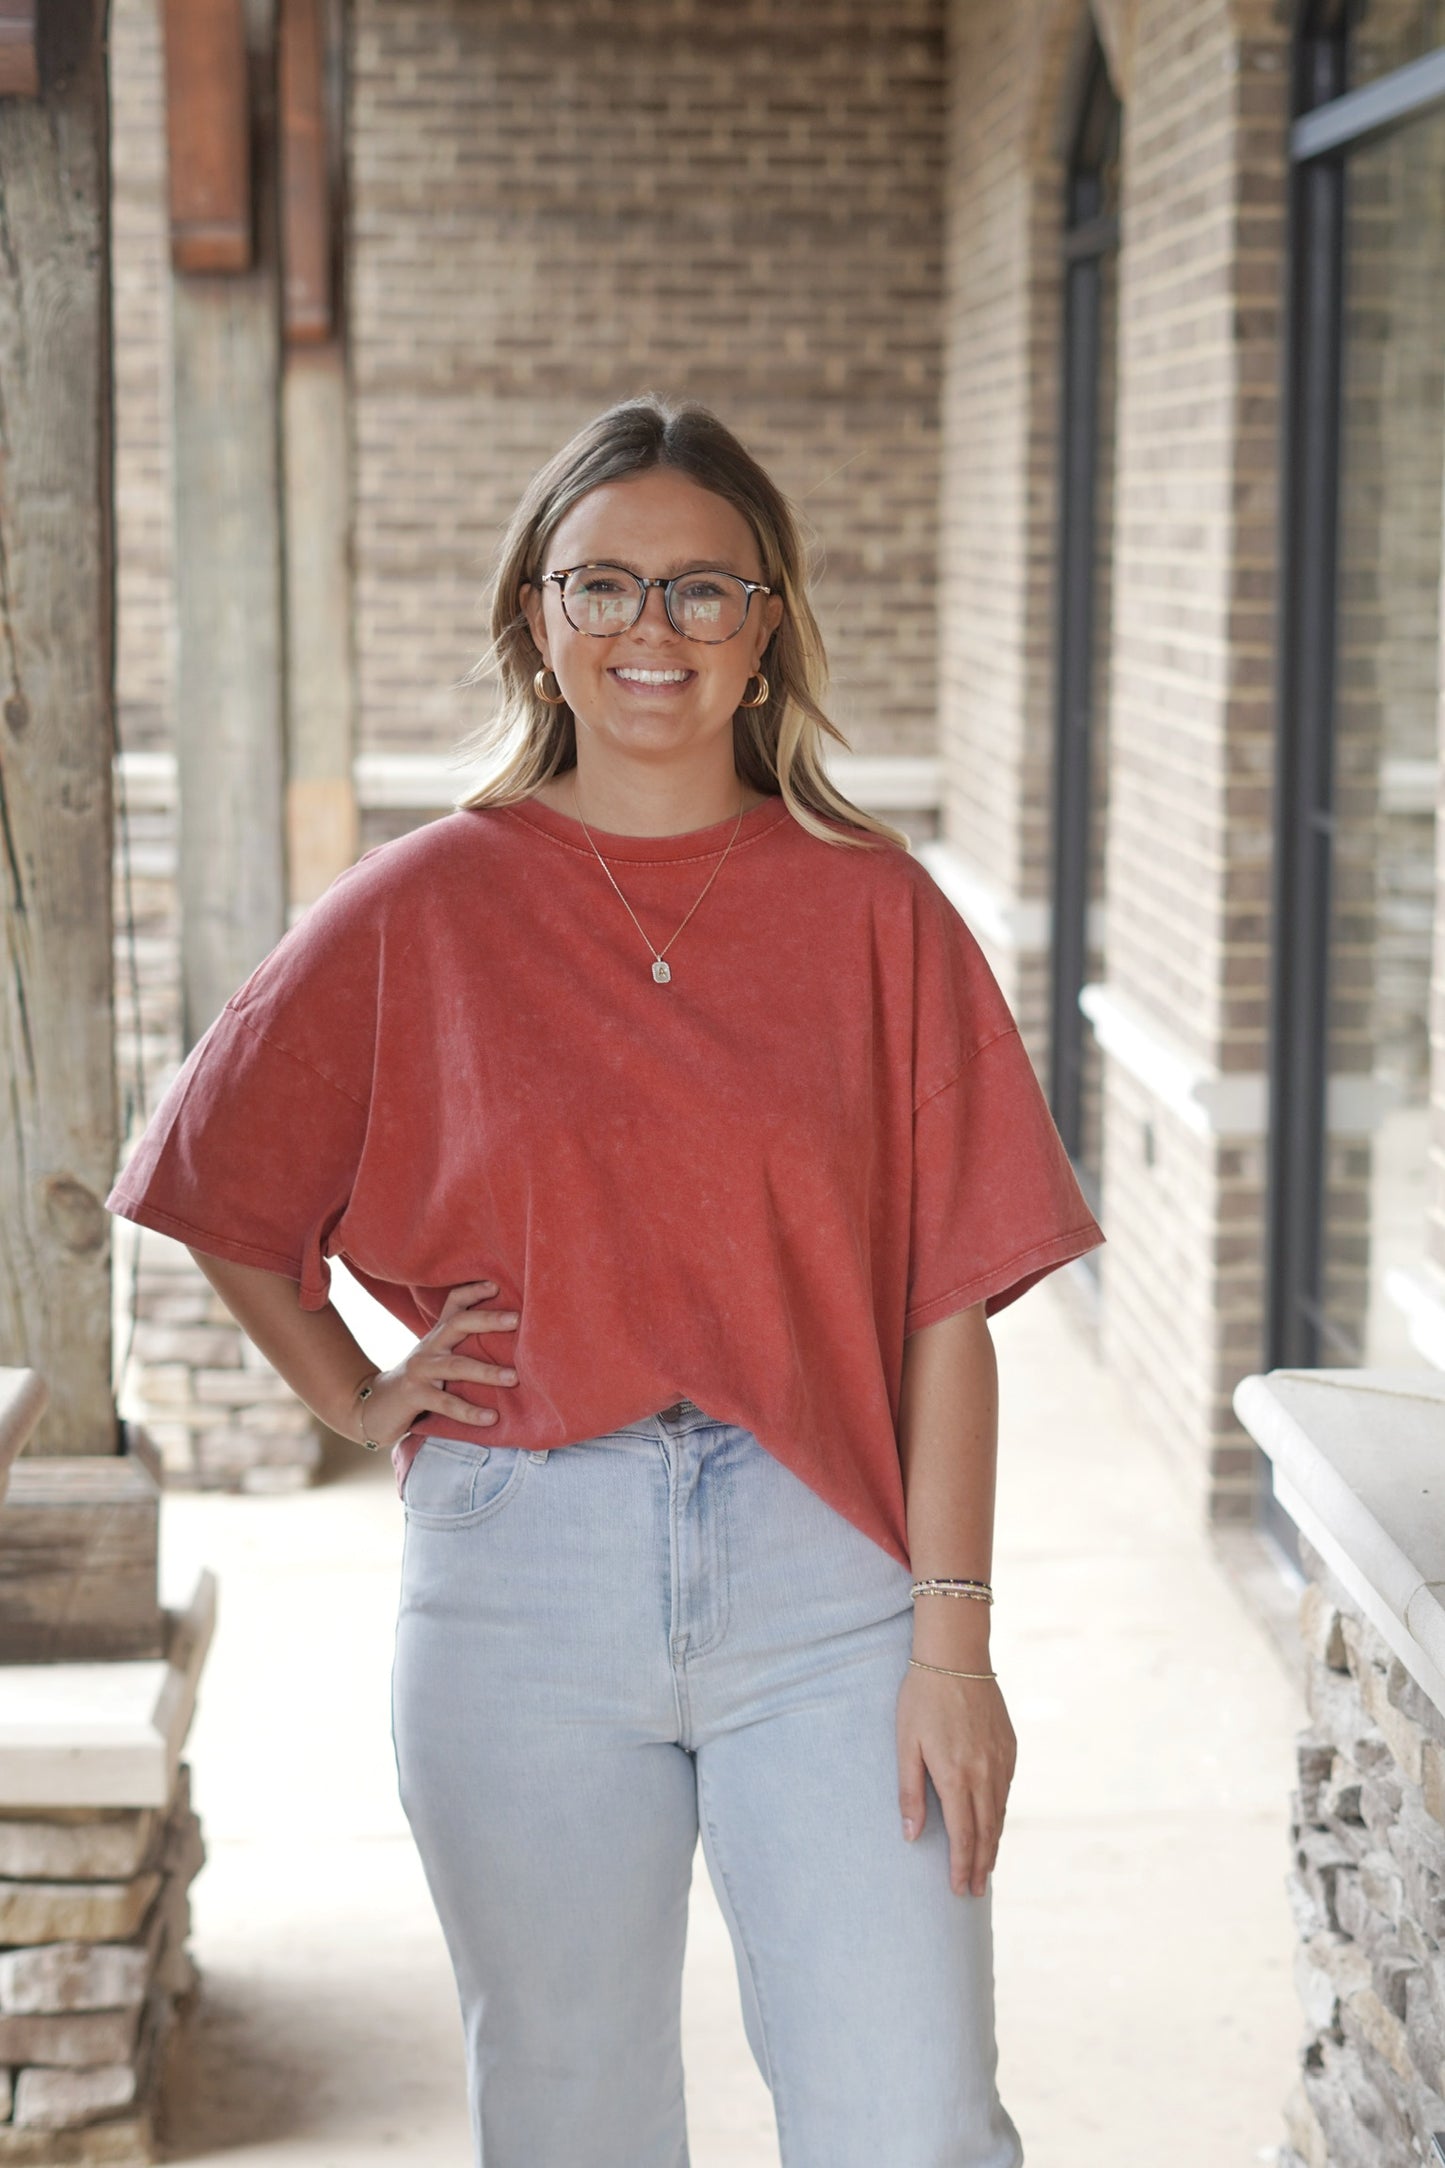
(1329, 122)
(1091, 233)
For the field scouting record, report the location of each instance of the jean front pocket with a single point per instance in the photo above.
(451, 1484)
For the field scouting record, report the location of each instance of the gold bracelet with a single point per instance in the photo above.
(373, 1445)
(951, 1674)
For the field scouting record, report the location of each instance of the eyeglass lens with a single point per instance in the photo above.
(702, 605)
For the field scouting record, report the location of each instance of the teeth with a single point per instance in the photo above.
(655, 677)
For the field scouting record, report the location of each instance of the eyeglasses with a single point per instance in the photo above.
(605, 599)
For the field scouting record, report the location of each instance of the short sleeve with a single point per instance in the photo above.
(252, 1153)
(996, 1203)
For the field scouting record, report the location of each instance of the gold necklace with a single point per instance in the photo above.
(661, 971)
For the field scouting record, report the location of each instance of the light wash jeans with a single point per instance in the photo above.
(601, 1649)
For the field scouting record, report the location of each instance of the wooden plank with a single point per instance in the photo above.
(79, 1539)
(58, 1142)
(306, 231)
(208, 135)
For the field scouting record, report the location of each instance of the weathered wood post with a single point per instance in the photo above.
(321, 825)
(226, 334)
(58, 1117)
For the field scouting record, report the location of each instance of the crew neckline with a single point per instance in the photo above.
(691, 843)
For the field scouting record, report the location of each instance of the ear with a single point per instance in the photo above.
(769, 619)
(531, 599)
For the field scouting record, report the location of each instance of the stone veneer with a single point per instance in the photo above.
(94, 1914)
(1367, 1886)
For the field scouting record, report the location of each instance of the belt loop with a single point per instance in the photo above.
(540, 1454)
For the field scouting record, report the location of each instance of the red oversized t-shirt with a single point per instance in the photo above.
(744, 1186)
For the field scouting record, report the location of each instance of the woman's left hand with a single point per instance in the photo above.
(959, 1731)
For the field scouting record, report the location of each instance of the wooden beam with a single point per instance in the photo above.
(321, 819)
(42, 48)
(230, 691)
(208, 135)
(19, 59)
(79, 1546)
(58, 1117)
(306, 238)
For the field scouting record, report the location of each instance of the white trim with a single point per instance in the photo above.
(877, 782)
(887, 782)
(1355, 1454)
(1209, 1101)
(1016, 925)
(148, 780)
(417, 782)
(429, 782)
(1424, 1312)
(1409, 786)
(1205, 1101)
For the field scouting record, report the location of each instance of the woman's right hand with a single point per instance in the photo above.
(417, 1385)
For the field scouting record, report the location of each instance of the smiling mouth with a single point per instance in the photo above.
(634, 674)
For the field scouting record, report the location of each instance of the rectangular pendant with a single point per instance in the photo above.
(661, 972)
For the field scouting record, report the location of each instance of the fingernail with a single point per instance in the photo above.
(509, 1377)
(910, 1829)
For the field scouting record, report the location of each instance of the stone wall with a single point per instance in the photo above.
(94, 1914)
(1367, 1885)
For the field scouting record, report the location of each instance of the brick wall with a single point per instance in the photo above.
(1187, 708)
(1192, 719)
(1008, 66)
(557, 203)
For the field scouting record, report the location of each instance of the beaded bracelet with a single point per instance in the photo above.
(938, 1585)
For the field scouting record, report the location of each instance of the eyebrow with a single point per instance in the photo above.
(696, 564)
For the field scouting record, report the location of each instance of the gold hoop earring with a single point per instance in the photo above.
(539, 687)
(762, 695)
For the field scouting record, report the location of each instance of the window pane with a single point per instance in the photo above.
(1387, 729)
(1387, 33)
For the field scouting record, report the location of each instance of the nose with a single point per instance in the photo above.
(654, 616)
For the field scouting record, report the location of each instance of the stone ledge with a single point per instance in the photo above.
(1359, 1461)
(104, 1734)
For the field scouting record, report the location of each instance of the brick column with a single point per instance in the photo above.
(1192, 726)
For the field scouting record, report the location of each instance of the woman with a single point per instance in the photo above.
(666, 1098)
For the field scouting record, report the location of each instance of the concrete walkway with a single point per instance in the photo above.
(1143, 1941)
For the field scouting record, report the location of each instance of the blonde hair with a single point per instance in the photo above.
(777, 748)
